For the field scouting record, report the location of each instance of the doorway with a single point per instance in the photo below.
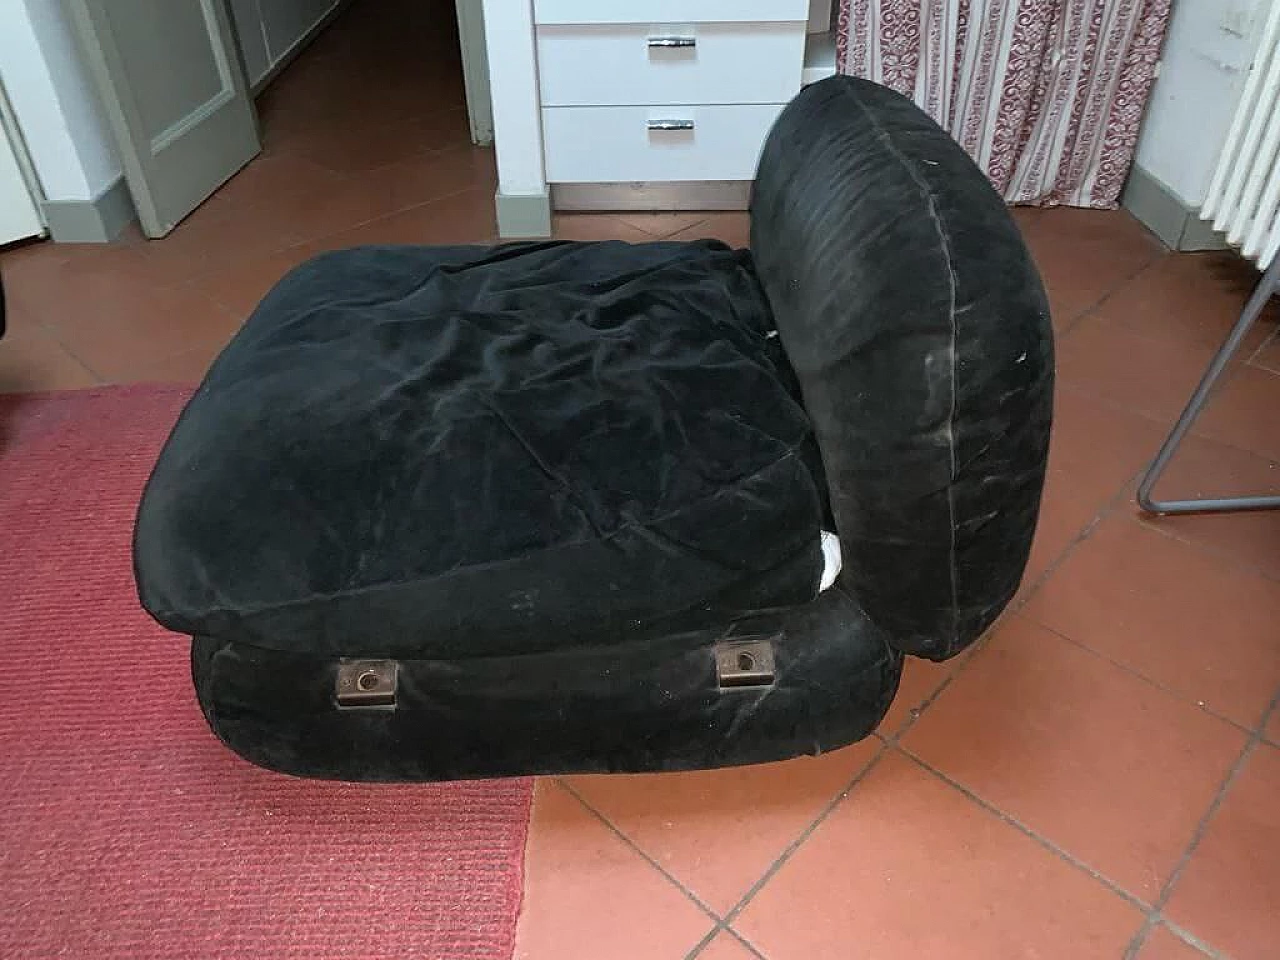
(382, 82)
(347, 86)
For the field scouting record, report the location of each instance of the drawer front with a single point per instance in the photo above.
(704, 64)
(620, 144)
(668, 11)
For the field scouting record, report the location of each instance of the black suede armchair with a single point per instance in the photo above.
(462, 512)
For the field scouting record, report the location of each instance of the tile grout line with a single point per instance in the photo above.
(1268, 340)
(98, 379)
(1157, 910)
(104, 381)
(1042, 841)
(1110, 294)
(890, 742)
(1192, 940)
(718, 923)
(303, 241)
(287, 147)
(693, 897)
(1178, 695)
(706, 941)
(745, 942)
(1088, 311)
(723, 923)
(962, 661)
(893, 741)
(57, 338)
(1167, 424)
(886, 743)
(671, 237)
(658, 236)
(914, 714)
(804, 835)
(1153, 913)
(1221, 553)
(1162, 423)
(1103, 513)
(307, 241)
(1148, 522)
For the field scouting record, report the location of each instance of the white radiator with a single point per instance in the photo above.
(1244, 197)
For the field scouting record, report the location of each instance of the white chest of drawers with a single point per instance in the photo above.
(646, 105)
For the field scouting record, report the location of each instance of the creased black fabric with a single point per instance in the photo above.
(641, 706)
(917, 324)
(466, 452)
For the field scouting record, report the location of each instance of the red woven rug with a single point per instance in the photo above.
(126, 829)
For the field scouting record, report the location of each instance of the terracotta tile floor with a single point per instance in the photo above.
(1101, 778)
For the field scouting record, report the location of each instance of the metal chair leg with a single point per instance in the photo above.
(1267, 287)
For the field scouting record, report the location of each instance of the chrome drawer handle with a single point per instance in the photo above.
(673, 42)
(670, 124)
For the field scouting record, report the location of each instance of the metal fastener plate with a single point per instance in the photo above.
(367, 683)
(744, 664)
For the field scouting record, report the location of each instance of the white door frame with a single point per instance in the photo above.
(11, 134)
(475, 69)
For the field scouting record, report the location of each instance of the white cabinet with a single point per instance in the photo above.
(657, 11)
(655, 145)
(618, 65)
(648, 105)
(662, 91)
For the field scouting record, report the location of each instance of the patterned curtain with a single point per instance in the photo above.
(1046, 95)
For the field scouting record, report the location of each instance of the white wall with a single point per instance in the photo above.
(1206, 57)
(53, 102)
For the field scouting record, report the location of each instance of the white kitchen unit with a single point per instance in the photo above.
(649, 105)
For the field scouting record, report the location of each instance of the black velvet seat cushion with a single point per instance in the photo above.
(453, 452)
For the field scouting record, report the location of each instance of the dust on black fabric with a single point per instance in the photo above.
(455, 451)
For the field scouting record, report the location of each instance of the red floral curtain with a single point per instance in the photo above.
(1046, 95)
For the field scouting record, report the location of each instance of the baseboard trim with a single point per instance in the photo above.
(523, 216)
(696, 195)
(1160, 210)
(99, 220)
(1200, 235)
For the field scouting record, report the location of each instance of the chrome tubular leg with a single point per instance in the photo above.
(1267, 287)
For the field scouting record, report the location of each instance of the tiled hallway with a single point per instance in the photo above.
(1100, 778)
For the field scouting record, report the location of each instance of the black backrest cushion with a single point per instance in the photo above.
(918, 325)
